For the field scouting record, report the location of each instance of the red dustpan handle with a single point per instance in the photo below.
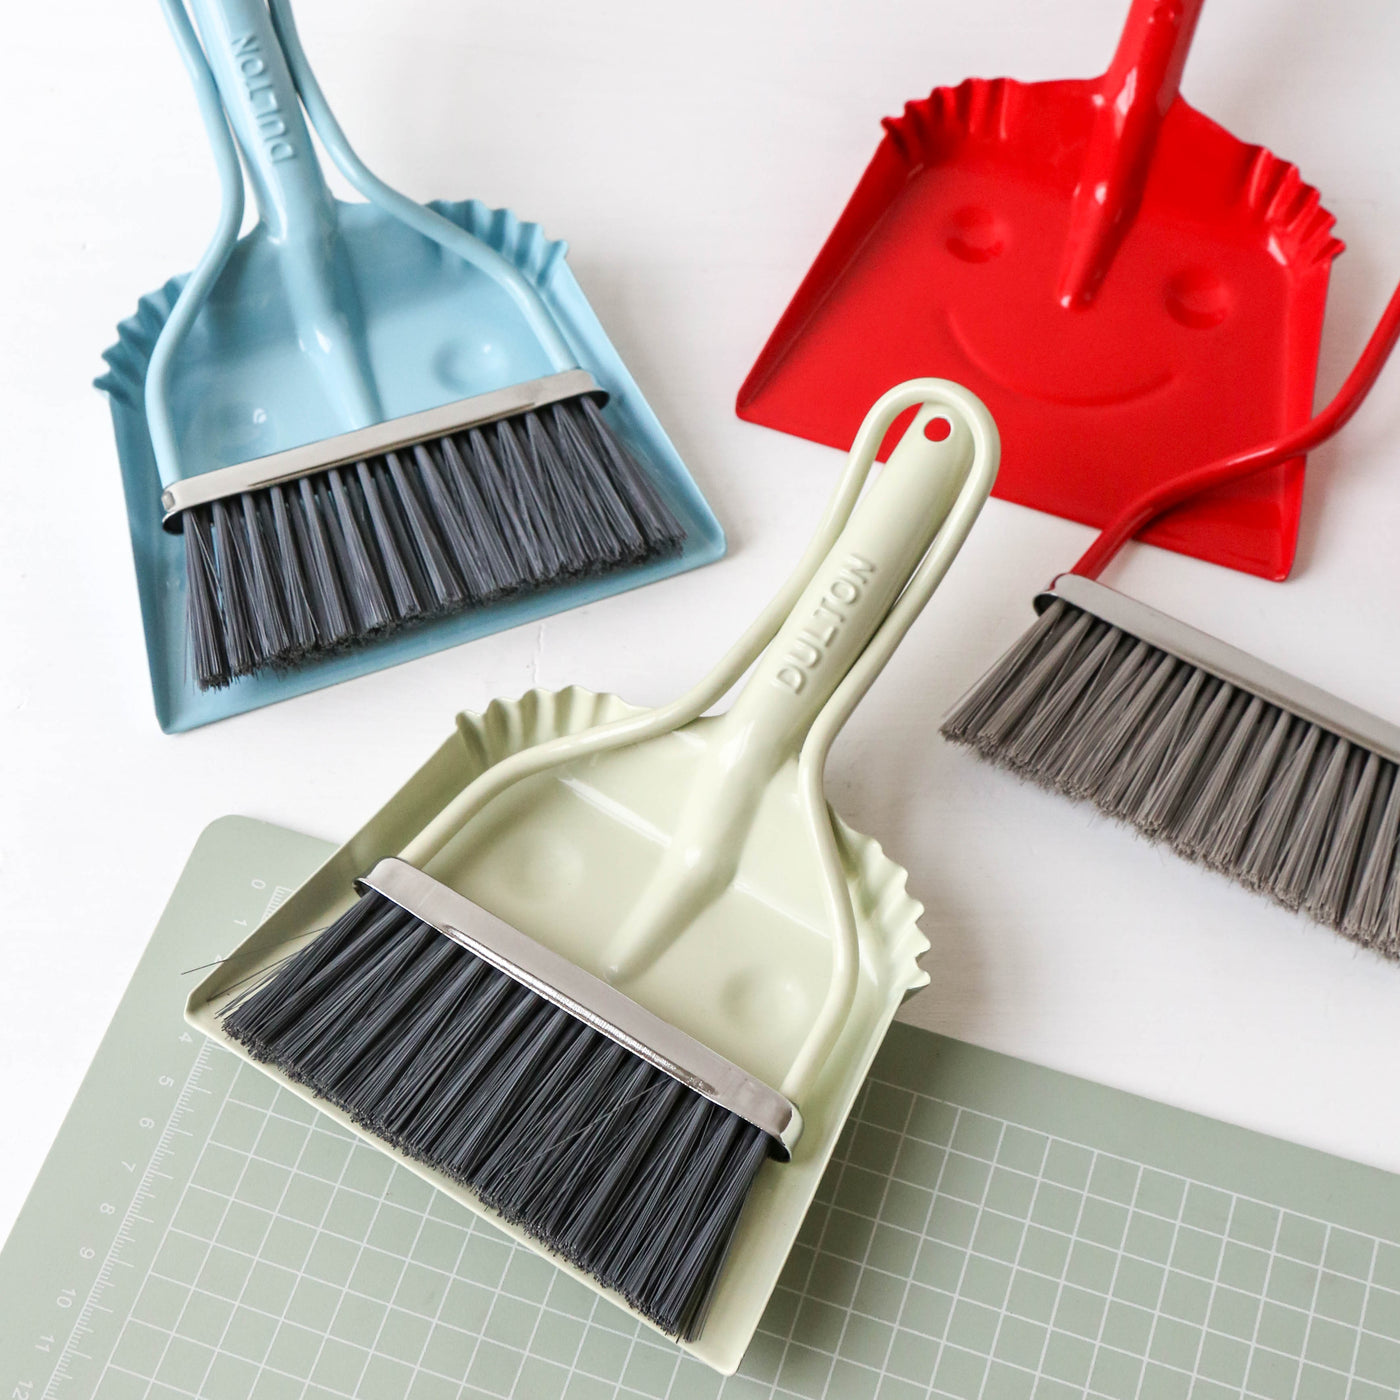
(1131, 100)
(1142, 512)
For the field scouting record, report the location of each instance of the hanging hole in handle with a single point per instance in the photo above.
(938, 429)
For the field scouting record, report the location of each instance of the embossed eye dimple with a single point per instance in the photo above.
(1198, 298)
(975, 234)
(755, 999)
(543, 866)
(237, 427)
(461, 366)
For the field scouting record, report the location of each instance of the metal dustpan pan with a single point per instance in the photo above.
(330, 316)
(687, 860)
(1131, 289)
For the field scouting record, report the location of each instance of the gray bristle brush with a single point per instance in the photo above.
(1232, 763)
(610, 973)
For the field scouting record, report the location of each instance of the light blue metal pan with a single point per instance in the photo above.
(328, 316)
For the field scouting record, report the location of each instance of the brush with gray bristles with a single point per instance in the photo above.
(1195, 743)
(626, 1171)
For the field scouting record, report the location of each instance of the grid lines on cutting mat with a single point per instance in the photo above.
(949, 1254)
(1038, 1266)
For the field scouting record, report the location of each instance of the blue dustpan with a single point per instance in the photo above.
(329, 317)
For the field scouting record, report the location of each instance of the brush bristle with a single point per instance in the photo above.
(282, 575)
(1225, 778)
(607, 1161)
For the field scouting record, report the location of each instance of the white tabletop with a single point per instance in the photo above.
(695, 156)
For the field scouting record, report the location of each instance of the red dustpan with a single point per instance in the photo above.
(1130, 289)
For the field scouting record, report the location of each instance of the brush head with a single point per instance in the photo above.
(297, 569)
(604, 1158)
(1285, 789)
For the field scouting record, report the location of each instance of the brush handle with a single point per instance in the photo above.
(1131, 100)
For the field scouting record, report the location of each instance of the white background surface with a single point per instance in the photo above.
(695, 156)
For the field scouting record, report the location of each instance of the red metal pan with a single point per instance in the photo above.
(1130, 288)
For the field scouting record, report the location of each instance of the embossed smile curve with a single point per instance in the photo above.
(974, 357)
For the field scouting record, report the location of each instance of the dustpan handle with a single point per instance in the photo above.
(241, 51)
(264, 111)
(1151, 54)
(1157, 502)
(835, 1010)
(198, 284)
(899, 542)
(1132, 99)
(895, 548)
(426, 221)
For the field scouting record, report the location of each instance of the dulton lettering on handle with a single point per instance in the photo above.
(815, 640)
(262, 97)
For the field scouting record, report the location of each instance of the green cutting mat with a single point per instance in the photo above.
(989, 1231)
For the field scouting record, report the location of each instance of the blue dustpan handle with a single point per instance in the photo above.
(260, 98)
(298, 212)
(207, 271)
(293, 199)
(427, 222)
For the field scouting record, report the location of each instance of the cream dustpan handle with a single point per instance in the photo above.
(841, 990)
(887, 560)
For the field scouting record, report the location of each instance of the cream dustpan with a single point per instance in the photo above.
(691, 861)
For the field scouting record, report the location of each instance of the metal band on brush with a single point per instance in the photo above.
(373, 441)
(587, 998)
(1227, 663)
